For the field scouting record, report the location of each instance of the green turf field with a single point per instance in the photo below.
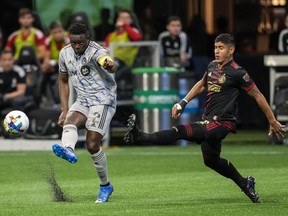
(148, 181)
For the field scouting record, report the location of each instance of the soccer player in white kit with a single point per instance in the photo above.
(89, 67)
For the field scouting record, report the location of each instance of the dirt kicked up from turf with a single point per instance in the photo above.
(58, 193)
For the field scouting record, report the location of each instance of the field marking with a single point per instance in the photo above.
(199, 153)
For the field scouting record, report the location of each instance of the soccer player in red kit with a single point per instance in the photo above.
(222, 81)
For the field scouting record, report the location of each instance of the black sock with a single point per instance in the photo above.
(106, 185)
(224, 168)
(161, 137)
(227, 169)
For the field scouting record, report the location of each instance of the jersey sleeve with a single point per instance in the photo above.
(47, 43)
(39, 38)
(133, 33)
(244, 81)
(62, 65)
(20, 80)
(101, 55)
(11, 40)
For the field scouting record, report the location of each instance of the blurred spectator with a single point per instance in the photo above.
(148, 25)
(12, 86)
(104, 28)
(283, 38)
(56, 40)
(81, 17)
(65, 17)
(175, 48)
(124, 32)
(199, 41)
(27, 35)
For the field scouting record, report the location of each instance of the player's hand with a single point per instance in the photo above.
(108, 65)
(277, 128)
(178, 108)
(119, 23)
(62, 118)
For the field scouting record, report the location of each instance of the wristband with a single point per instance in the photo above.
(183, 103)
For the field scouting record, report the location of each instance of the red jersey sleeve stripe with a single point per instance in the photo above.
(11, 40)
(133, 33)
(39, 38)
(250, 87)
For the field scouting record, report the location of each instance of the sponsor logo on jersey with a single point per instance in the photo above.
(222, 79)
(85, 70)
(246, 77)
(213, 87)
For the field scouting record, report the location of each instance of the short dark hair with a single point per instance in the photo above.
(173, 18)
(226, 38)
(55, 24)
(78, 28)
(3, 52)
(124, 11)
(25, 11)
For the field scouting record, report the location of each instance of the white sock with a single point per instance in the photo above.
(69, 136)
(100, 163)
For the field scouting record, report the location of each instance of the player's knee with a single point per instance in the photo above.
(211, 161)
(92, 148)
(93, 144)
(180, 129)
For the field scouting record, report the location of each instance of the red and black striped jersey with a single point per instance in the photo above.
(223, 88)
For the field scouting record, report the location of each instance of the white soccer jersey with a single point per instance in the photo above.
(93, 84)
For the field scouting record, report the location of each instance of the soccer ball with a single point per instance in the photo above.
(16, 123)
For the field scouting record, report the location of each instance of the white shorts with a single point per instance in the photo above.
(98, 117)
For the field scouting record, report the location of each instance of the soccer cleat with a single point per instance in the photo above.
(104, 193)
(66, 153)
(133, 131)
(250, 190)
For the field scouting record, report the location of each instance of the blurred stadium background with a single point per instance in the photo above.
(256, 25)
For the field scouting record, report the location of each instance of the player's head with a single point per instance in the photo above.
(6, 60)
(224, 47)
(78, 34)
(125, 16)
(174, 25)
(56, 30)
(26, 18)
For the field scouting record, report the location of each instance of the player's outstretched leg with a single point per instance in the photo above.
(104, 193)
(66, 153)
(134, 135)
(249, 190)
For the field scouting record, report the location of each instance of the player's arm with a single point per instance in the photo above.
(64, 96)
(20, 91)
(41, 52)
(64, 90)
(197, 89)
(10, 41)
(107, 63)
(275, 126)
(40, 41)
